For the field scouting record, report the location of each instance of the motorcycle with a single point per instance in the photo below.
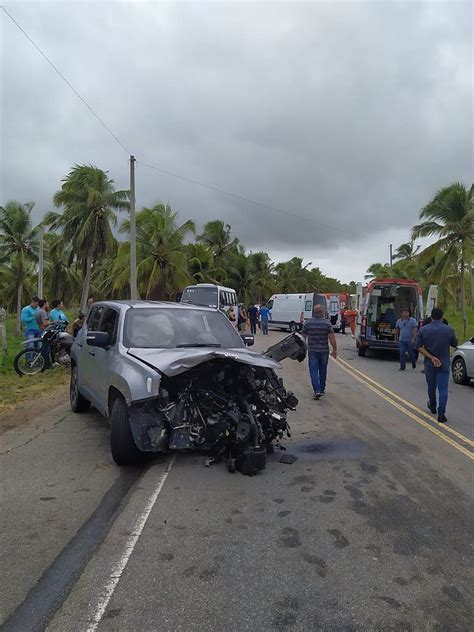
(42, 353)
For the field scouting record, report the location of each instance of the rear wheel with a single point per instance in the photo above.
(459, 371)
(293, 327)
(29, 362)
(122, 444)
(362, 351)
(79, 404)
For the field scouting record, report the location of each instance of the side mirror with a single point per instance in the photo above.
(98, 339)
(248, 339)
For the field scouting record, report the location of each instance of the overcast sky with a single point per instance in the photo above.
(349, 115)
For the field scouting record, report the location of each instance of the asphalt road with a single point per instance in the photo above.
(369, 529)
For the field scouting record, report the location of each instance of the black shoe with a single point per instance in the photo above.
(413, 365)
(431, 408)
(316, 395)
(442, 419)
(400, 369)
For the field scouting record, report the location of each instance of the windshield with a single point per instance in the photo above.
(158, 328)
(206, 296)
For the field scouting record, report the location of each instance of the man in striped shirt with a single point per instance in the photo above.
(318, 332)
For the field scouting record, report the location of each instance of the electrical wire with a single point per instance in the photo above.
(165, 171)
(68, 83)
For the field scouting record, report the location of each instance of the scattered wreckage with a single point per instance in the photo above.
(206, 390)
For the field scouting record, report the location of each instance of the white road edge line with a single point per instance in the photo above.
(120, 566)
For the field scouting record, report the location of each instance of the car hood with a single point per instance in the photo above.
(175, 361)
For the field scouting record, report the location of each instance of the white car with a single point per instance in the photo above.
(462, 363)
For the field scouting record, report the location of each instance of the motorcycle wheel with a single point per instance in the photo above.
(29, 362)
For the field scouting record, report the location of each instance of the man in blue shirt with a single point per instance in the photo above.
(433, 342)
(406, 330)
(318, 331)
(28, 321)
(265, 315)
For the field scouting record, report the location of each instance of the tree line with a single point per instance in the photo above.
(86, 251)
(449, 261)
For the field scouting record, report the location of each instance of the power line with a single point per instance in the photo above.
(243, 198)
(165, 171)
(68, 83)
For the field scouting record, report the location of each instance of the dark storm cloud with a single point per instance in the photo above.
(348, 114)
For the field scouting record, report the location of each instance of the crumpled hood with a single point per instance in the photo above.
(175, 361)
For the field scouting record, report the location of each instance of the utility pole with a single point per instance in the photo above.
(133, 233)
(40, 262)
(391, 256)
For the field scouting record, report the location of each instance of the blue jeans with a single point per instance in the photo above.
(264, 324)
(406, 346)
(437, 378)
(318, 369)
(34, 346)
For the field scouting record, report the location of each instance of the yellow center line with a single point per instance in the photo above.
(418, 420)
(407, 403)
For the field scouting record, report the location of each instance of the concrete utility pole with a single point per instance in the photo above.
(133, 233)
(40, 262)
(391, 256)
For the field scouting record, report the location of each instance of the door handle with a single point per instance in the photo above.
(92, 353)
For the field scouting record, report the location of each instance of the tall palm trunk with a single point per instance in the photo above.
(19, 298)
(463, 294)
(86, 283)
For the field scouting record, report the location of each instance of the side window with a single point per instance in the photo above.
(308, 306)
(270, 304)
(94, 318)
(109, 323)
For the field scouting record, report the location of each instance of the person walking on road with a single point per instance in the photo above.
(252, 313)
(433, 342)
(265, 316)
(406, 331)
(318, 331)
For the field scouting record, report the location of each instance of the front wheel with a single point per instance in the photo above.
(459, 371)
(122, 444)
(29, 362)
(362, 351)
(79, 404)
(293, 327)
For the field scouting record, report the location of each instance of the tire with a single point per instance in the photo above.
(293, 327)
(79, 404)
(122, 444)
(362, 351)
(459, 372)
(29, 362)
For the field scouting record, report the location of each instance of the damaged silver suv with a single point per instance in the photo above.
(169, 376)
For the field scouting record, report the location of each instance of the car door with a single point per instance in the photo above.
(102, 360)
(84, 356)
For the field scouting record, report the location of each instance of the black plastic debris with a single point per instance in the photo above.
(288, 459)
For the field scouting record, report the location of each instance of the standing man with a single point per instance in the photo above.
(318, 331)
(252, 313)
(90, 302)
(406, 331)
(433, 342)
(28, 321)
(265, 315)
(42, 317)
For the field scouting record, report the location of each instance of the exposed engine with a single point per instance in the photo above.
(233, 410)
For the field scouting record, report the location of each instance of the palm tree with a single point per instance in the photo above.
(201, 265)
(292, 276)
(379, 271)
(217, 235)
(18, 245)
(450, 216)
(89, 201)
(406, 251)
(162, 268)
(62, 277)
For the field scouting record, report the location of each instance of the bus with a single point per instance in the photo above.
(210, 295)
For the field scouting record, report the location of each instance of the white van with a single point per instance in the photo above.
(216, 296)
(289, 311)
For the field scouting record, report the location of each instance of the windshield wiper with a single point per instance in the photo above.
(198, 344)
